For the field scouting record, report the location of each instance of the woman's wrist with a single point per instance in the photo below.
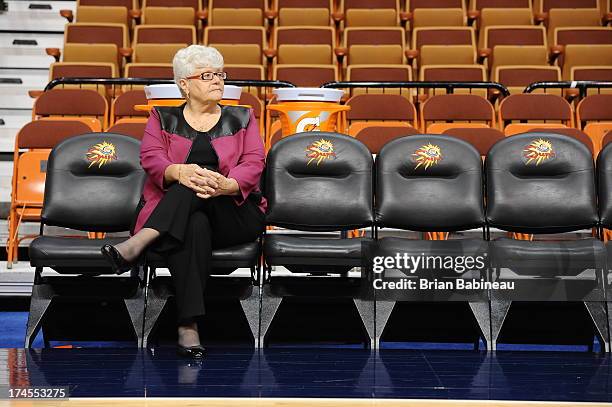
(173, 173)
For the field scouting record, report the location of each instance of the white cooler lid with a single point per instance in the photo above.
(171, 91)
(308, 94)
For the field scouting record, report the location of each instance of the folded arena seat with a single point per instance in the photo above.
(93, 184)
(542, 184)
(432, 183)
(316, 182)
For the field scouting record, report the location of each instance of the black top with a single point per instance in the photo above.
(202, 151)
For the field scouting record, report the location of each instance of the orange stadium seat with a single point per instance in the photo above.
(159, 43)
(103, 11)
(122, 107)
(93, 42)
(439, 110)
(368, 13)
(71, 103)
(28, 184)
(443, 46)
(375, 134)
(441, 13)
(379, 73)
(594, 117)
(504, 45)
(534, 111)
(175, 12)
(239, 45)
(482, 138)
(303, 12)
(381, 107)
(500, 12)
(237, 12)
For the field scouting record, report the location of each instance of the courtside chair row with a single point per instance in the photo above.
(535, 183)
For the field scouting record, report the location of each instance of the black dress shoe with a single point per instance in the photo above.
(117, 262)
(191, 352)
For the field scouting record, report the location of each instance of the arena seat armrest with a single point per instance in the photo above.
(271, 15)
(270, 53)
(472, 16)
(406, 16)
(202, 15)
(135, 14)
(340, 53)
(54, 52)
(541, 18)
(35, 93)
(411, 55)
(126, 52)
(337, 16)
(483, 54)
(67, 14)
(555, 52)
(607, 19)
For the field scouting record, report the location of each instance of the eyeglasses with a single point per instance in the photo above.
(208, 76)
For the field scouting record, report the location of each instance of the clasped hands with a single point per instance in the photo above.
(206, 183)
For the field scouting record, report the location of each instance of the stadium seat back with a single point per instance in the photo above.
(429, 182)
(552, 184)
(375, 134)
(94, 173)
(306, 75)
(319, 181)
(457, 108)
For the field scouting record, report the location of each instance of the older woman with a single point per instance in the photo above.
(204, 163)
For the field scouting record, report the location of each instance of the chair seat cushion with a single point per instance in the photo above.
(70, 252)
(283, 250)
(242, 255)
(440, 257)
(577, 259)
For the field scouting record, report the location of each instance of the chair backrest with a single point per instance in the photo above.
(429, 183)
(604, 187)
(96, 33)
(546, 5)
(306, 75)
(540, 183)
(94, 183)
(595, 108)
(71, 102)
(129, 127)
(457, 108)
(381, 107)
(527, 106)
(152, 70)
(481, 138)
(378, 133)
(48, 133)
(319, 181)
(82, 70)
(164, 34)
(123, 105)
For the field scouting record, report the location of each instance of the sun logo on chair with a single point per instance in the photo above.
(320, 150)
(427, 155)
(538, 151)
(101, 154)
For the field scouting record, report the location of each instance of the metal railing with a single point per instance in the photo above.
(448, 86)
(582, 86)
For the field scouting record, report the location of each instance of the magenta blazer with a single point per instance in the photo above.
(168, 138)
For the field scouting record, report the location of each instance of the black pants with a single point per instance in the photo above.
(190, 228)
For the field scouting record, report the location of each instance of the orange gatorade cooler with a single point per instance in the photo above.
(170, 95)
(310, 109)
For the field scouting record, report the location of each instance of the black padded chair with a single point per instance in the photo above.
(220, 285)
(544, 183)
(316, 182)
(604, 192)
(93, 184)
(432, 183)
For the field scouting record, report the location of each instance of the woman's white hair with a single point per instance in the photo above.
(187, 60)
